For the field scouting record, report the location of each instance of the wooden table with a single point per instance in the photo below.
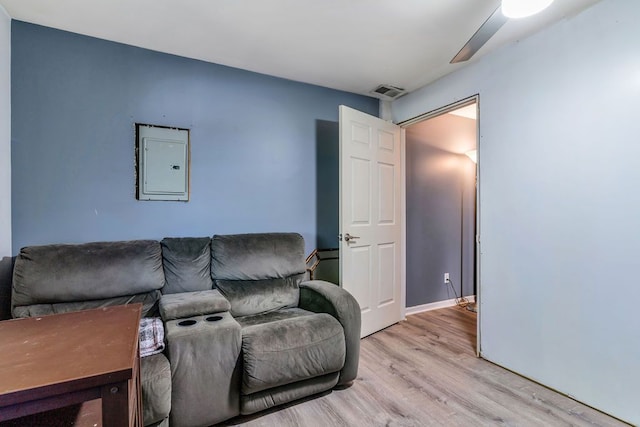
(64, 359)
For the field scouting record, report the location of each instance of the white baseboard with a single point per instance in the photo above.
(435, 305)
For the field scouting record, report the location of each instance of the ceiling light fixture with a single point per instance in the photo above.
(523, 8)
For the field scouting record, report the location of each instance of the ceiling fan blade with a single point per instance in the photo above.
(484, 33)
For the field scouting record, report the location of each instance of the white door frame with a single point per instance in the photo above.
(403, 229)
(426, 116)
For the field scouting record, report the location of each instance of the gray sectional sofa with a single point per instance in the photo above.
(244, 332)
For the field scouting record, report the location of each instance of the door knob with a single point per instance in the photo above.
(348, 237)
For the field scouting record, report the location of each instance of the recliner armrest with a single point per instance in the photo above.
(324, 297)
(188, 304)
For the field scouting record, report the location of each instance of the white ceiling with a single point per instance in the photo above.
(351, 45)
(470, 111)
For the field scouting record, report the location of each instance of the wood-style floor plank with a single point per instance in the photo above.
(423, 372)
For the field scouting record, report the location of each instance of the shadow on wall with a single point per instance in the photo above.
(6, 272)
(327, 183)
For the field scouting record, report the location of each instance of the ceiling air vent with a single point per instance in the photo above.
(388, 92)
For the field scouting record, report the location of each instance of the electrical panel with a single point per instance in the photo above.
(162, 163)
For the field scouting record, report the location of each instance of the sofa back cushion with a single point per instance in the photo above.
(258, 272)
(187, 264)
(84, 272)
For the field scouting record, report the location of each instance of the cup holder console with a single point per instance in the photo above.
(191, 322)
(204, 349)
(188, 322)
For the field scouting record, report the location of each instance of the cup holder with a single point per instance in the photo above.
(189, 322)
(213, 318)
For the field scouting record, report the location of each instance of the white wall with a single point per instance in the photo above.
(560, 203)
(5, 134)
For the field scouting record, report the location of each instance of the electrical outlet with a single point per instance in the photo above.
(446, 278)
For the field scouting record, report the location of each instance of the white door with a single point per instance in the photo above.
(371, 217)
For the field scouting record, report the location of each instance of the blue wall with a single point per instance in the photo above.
(75, 100)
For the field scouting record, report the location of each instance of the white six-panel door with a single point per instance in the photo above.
(371, 217)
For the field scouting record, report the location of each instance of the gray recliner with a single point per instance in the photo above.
(298, 338)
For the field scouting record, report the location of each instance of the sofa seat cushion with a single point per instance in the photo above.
(292, 349)
(155, 376)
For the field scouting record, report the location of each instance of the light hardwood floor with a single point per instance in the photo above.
(423, 372)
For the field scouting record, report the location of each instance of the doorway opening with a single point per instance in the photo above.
(441, 209)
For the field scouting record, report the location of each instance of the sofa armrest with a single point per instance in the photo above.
(187, 304)
(324, 297)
